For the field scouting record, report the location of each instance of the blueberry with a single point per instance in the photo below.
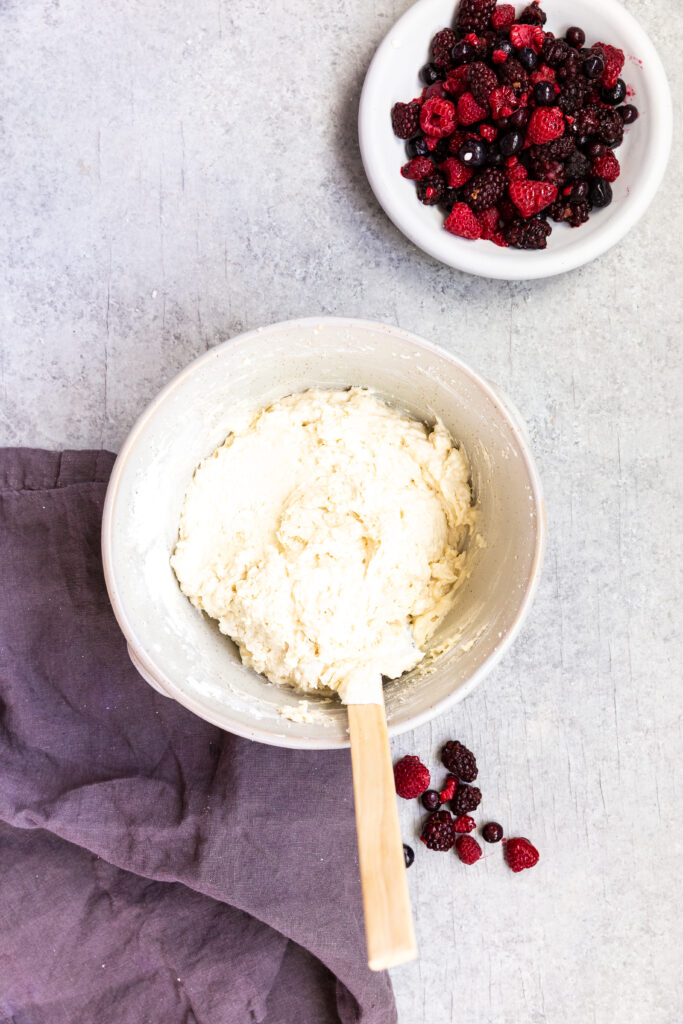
(473, 153)
(502, 123)
(495, 157)
(596, 150)
(409, 854)
(615, 95)
(493, 832)
(463, 52)
(431, 799)
(628, 113)
(575, 36)
(544, 94)
(416, 147)
(519, 118)
(593, 66)
(601, 192)
(429, 74)
(580, 190)
(527, 58)
(511, 143)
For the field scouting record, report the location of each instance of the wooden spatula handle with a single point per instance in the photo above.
(388, 920)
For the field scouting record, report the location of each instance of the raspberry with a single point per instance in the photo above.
(503, 17)
(614, 62)
(437, 117)
(469, 111)
(488, 132)
(456, 81)
(527, 35)
(549, 170)
(437, 832)
(455, 142)
(482, 81)
(574, 212)
(411, 777)
(527, 234)
(520, 854)
(466, 799)
(607, 167)
(464, 824)
(531, 197)
(455, 172)
(490, 220)
(513, 74)
(405, 119)
(442, 44)
(454, 756)
(461, 221)
(484, 190)
(475, 15)
(493, 832)
(431, 190)
(468, 849)
(503, 102)
(448, 792)
(533, 15)
(517, 172)
(418, 168)
(543, 74)
(545, 124)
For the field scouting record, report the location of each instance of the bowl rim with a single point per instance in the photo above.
(156, 677)
(494, 262)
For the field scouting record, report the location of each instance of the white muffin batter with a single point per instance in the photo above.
(326, 538)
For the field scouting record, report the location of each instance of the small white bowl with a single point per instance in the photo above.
(393, 76)
(182, 654)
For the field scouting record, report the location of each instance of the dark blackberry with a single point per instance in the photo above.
(455, 757)
(480, 192)
(442, 44)
(573, 96)
(615, 95)
(611, 127)
(571, 68)
(575, 36)
(549, 170)
(495, 157)
(467, 798)
(513, 74)
(475, 15)
(409, 854)
(431, 190)
(556, 52)
(558, 149)
(493, 832)
(588, 121)
(405, 119)
(628, 113)
(527, 234)
(532, 15)
(438, 832)
(431, 799)
(566, 210)
(482, 81)
(600, 196)
(430, 74)
(577, 166)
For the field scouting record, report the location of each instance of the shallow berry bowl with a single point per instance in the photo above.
(394, 76)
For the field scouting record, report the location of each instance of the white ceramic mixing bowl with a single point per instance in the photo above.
(181, 652)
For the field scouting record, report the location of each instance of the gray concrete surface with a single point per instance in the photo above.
(174, 172)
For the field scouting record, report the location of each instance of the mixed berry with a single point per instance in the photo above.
(514, 127)
(444, 829)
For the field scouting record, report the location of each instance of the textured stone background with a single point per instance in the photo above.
(174, 172)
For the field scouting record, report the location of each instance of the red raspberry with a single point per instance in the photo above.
(456, 81)
(455, 141)
(520, 854)
(614, 62)
(545, 124)
(516, 172)
(437, 90)
(503, 17)
(488, 132)
(456, 174)
(607, 167)
(499, 56)
(448, 792)
(411, 777)
(469, 111)
(531, 197)
(461, 221)
(468, 849)
(417, 169)
(527, 35)
(503, 101)
(500, 239)
(465, 823)
(543, 74)
(489, 227)
(437, 117)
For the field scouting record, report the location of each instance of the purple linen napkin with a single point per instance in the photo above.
(152, 867)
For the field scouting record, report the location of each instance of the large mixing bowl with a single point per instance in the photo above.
(181, 652)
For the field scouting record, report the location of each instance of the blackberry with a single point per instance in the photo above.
(571, 68)
(480, 192)
(409, 854)
(574, 212)
(438, 832)
(431, 190)
(513, 74)
(405, 119)
(475, 15)
(532, 15)
(527, 234)
(493, 832)
(549, 170)
(573, 97)
(588, 121)
(482, 81)
(611, 127)
(556, 52)
(558, 149)
(466, 799)
(577, 166)
(455, 757)
(442, 44)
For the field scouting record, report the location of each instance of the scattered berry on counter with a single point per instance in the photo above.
(464, 824)
(431, 800)
(460, 761)
(448, 791)
(493, 832)
(409, 854)
(520, 854)
(468, 849)
(437, 831)
(466, 799)
(411, 777)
